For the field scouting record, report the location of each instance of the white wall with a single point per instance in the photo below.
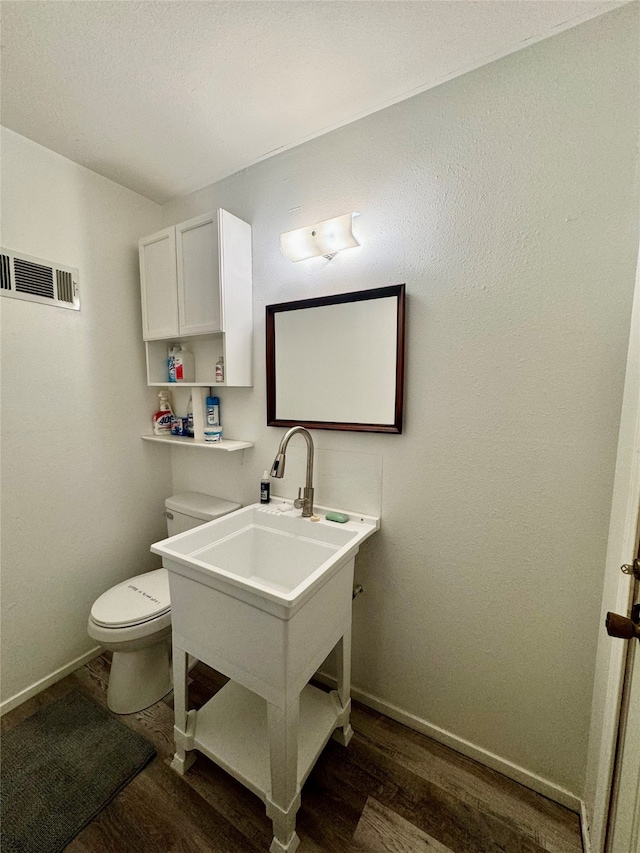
(507, 201)
(81, 493)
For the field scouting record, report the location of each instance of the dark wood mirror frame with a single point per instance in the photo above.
(398, 291)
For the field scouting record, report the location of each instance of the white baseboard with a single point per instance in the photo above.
(39, 686)
(483, 756)
(584, 828)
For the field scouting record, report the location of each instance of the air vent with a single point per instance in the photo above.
(5, 272)
(64, 282)
(35, 280)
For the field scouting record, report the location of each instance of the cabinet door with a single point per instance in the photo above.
(198, 276)
(235, 275)
(158, 285)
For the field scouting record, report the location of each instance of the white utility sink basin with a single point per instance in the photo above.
(267, 551)
(263, 596)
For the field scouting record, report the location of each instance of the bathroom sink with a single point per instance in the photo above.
(263, 595)
(266, 553)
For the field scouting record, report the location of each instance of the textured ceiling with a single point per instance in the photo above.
(166, 97)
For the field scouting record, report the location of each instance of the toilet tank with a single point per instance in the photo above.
(191, 509)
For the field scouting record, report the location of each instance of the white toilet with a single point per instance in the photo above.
(133, 618)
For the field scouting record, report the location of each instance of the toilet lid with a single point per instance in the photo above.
(133, 601)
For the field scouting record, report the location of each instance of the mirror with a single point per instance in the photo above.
(337, 362)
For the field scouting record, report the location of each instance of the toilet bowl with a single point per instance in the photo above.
(133, 618)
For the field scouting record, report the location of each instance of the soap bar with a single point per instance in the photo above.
(340, 517)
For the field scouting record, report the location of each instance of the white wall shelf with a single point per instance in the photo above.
(179, 440)
(187, 385)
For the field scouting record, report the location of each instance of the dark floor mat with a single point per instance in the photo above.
(60, 767)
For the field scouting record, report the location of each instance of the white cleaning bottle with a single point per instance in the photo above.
(220, 369)
(190, 429)
(162, 418)
(185, 368)
(171, 362)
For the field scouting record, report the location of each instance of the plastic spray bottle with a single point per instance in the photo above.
(162, 418)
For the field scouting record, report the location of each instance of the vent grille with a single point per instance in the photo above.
(64, 281)
(35, 280)
(5, 272)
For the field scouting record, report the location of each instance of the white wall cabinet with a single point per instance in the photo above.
(195, 280)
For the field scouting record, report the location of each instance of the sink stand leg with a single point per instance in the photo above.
(344, 733)
(181, 761)
(284, 801)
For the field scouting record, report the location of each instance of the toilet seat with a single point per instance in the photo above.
(138, 635)
(134, 601)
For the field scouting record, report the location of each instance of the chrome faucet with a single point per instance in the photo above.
(304, 500)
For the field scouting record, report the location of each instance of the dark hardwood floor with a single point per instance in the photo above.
(391, 791)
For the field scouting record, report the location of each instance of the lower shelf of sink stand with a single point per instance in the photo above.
(231, 729)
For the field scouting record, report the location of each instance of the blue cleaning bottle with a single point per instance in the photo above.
(212, 428)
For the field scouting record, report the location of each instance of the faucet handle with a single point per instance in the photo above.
(304, 503)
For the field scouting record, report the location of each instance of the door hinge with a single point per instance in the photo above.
(632, 569)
